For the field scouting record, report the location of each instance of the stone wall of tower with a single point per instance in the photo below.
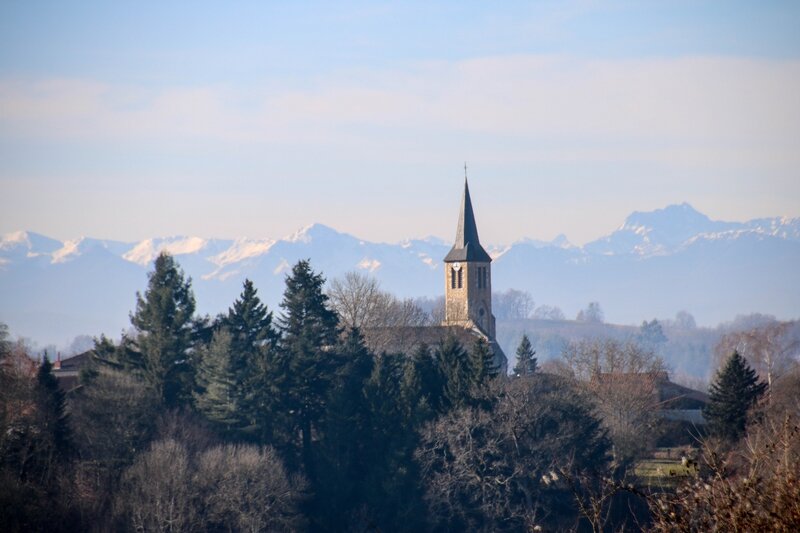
(470, 304)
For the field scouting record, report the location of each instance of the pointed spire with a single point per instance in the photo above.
(467, 246)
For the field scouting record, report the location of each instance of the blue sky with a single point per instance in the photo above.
(129, 120)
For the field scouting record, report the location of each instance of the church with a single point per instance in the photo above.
(468, 298)
(467, 314)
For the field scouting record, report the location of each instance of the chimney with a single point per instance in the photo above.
(57, 364)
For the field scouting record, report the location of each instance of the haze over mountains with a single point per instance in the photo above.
(655, 264)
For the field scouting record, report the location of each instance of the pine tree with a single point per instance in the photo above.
(422, 386)
(45, 442)
(307, 352)
(218, 396)
(457, 371)
(253, 361)
(482, 364)
(164, 326)
(52, 405)
(250, 324)
(526, 362)
(734, 391)
(347, 431)
(483, 369)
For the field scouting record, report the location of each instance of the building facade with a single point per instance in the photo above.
(468, 276)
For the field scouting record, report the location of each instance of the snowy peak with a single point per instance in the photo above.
(27, 244)
(242, 249)
(673, 217)
(664, 260)
(781, 227)
(313, 233)
(74, 248)
(147, 250)
(643, 234)
(430, 240)
(658, 232)
(69, 250)
(672, 225)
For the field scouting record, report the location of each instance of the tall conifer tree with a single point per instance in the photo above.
(526, 362)
(250, 323)
(456, 370)
(483, 368)
(308, 356)
(52, 405)
(347, 432)
(733, 393)
(423, 386)
(219, 391)
(482, 363)
(164, 326)
(254, 361)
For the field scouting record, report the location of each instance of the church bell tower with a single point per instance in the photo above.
(468, 276)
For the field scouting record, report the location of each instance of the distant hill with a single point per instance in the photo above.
(654, 265)
(686, 351)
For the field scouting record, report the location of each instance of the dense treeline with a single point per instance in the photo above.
(287, 421)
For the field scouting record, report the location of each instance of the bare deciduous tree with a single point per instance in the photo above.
(771, 349)
(356, 298)
(157, 490)
(512, 304)
(245, 488)
(359, 301)
(592, 313)
(494, 471)
(225, 488)
(433, 308)
(548, 312)
(623, 378)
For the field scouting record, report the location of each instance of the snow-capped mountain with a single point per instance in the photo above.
(663, 231)
(655, 264)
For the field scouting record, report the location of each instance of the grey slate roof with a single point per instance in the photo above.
(70, 369)
(406, 339)
(467, 246)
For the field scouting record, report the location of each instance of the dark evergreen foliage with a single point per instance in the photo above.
(250, 324)
(308, 358)
(219, 394)
(390, 485)
(250, 372)
(423, 386)
(526, 362)
(346, 436)
(457, 372)
(52, 406)
(164, 324)
(352, 439)
(482, 363)
(735, 390)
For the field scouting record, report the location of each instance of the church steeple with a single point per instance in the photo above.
(467, 246)
(468, 276)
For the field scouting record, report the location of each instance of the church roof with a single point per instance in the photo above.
(406, 339)
(467, 246)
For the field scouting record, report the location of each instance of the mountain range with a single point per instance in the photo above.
(654, 265)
